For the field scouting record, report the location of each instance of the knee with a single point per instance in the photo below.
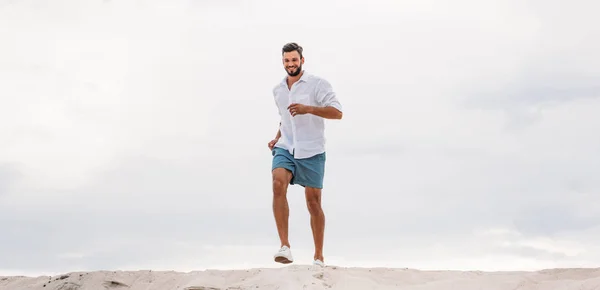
(314, 207)
(279, 187)
(314, 204)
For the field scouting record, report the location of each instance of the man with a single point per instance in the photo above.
(304, 101)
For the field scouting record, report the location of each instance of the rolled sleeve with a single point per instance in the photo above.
(326, 97)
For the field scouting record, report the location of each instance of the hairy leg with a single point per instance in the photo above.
(317, 219)
(281, 179)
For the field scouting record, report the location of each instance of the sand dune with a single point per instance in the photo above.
(309, 277)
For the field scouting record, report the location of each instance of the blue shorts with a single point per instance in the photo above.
(305, 172)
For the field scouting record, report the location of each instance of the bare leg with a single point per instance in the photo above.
(317, 219)
(281, 211)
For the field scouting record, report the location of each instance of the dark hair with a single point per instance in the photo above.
(291, 46)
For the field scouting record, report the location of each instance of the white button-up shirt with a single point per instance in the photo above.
(303, 135)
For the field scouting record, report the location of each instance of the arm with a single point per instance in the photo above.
(329, 106)
(274, 141)
(325, 112)
(278, 132)
(278, 135)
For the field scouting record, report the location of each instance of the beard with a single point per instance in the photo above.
(294, 73)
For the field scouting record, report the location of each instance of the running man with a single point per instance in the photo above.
(304, 101)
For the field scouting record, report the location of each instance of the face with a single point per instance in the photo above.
(292, 63)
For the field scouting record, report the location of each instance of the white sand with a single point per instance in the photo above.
(308, 277)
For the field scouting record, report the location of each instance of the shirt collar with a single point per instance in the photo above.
(303, 78)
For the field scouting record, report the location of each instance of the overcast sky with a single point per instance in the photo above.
(133, 134)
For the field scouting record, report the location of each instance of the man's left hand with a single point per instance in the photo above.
(298, 109)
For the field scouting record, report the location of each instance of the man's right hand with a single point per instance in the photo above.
(272, 143)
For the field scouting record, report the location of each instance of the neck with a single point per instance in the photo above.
(291, 80)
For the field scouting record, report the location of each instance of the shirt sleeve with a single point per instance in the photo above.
(275, 99)
(326, 97)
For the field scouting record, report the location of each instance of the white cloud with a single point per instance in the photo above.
(144, 125)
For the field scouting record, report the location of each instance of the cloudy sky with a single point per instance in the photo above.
(133, 134)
